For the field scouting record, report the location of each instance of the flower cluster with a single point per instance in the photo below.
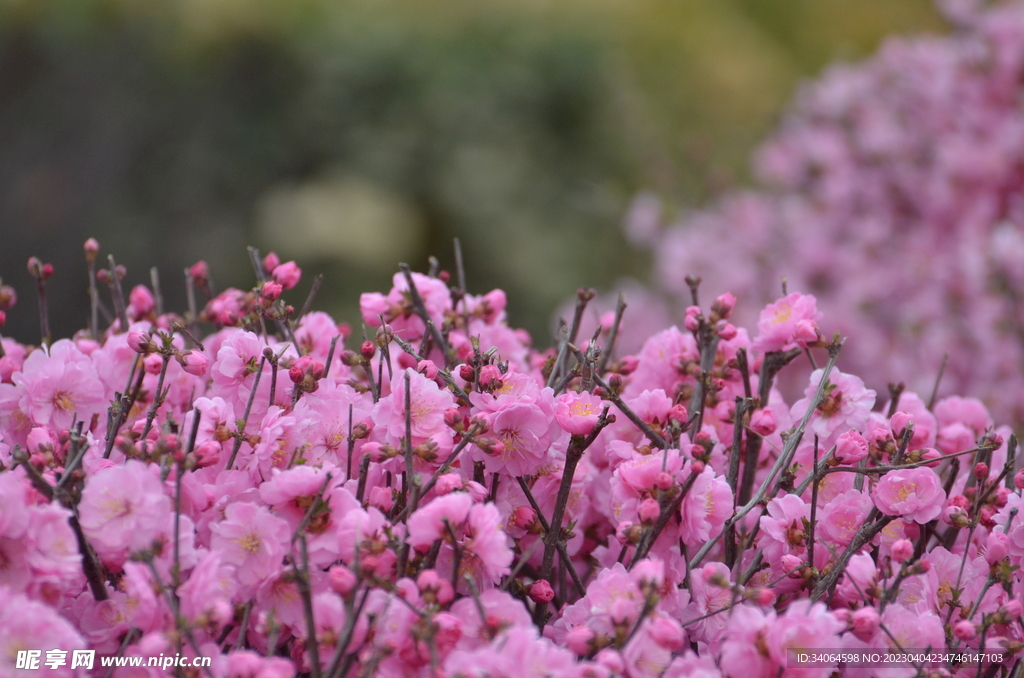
(893, 192)
(446, 500)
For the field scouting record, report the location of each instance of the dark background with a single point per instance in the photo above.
(353, 135)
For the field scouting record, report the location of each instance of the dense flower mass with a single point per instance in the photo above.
(893, 192)
(447, 501)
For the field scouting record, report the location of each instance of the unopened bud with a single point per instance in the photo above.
(965, 630)
(902, 550)
(541, 592)
(91, 248)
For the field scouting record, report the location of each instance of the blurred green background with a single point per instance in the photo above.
(353, 135)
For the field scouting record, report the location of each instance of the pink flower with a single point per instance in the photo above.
(839, 520)
(24, 624)
(123, 508)
(287, 275)
(428, 403)
(211, 583)
(763, 422)
(804, 626)
(578, 413)
(60, 387)
(782, 530)
(194, 363)
(846, 404)
(251, 539)
(781, 320)
(525, 434)
(427, 524)
(140, 302)
(705, 508)
(916, 494)
(850, 447)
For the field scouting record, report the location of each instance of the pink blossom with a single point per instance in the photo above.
(251, 539)
(194, 363)
(23, 623)
(427, 524)
(705, 508)
(804, 626)
(781, 320)
(915, 494)
(428, 403)
(287, 275)
(525, 434)
(123, 508)
(578, 413)
(846, 404)
(841, 518)
(783, 530)
(55, 389)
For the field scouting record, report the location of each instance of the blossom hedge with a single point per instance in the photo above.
(893, 191)
(443, 499)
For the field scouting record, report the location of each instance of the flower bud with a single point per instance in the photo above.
(931, 453)
(467, 372)
(693, 318)
(524, 518)
(649, 510)
(8, 297)
(207, 453)
(964, 630)
(851, 447)
(139, 342)
(898, 424)
(271, 291)
(199, 272)
(723, 305)
(194, 362)
(153, 363)
(666, 632)
(865, 623)
(541, 592)
(728, 331)
(761, 596)
(678, 413)
(342, 580)
(955, 516)
(270, 262)
(996, 547)
(981, 470)
(91, 248)
(490, 376)
(579, 640)
(287, 275)
(763, 422)
(427, 368)
(367, 349)
(902, 550)
(792, 564)
(434, 588)
(663, 481)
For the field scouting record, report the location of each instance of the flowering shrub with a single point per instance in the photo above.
(893, 192)
(446, 500)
